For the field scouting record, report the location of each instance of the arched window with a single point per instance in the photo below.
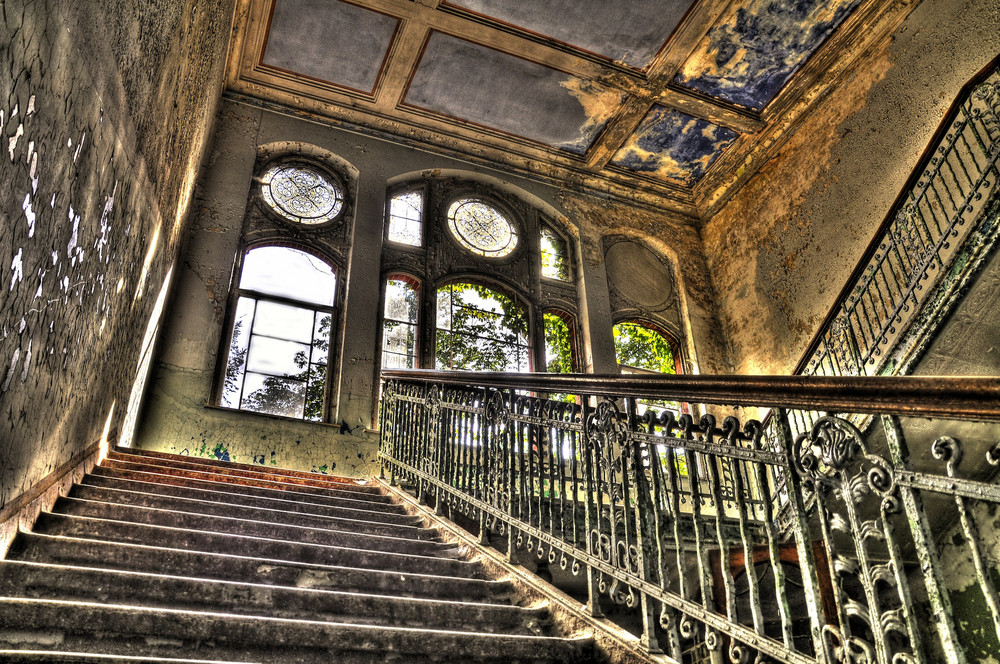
(480, 329)
(280, 344)
(555, 258)
(642, 348)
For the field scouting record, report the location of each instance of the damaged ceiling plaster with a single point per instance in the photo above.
(672, 103)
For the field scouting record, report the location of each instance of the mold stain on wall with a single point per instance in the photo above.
(775, 262)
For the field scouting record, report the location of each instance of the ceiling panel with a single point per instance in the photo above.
(757, 45)
(631, 33)
(333, 41)
(674, 146)
(478, 84)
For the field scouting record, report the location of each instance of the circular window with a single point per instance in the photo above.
(301, 193)
(481, 228)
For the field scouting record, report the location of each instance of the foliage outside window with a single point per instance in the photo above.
(406, 218)
(399, 324)
(302, 194)
(479, 329)
(558, 344)
(553, 252)
(278, 353)
(643, 350)
(481, 228)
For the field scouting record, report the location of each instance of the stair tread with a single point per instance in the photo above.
(258, 490)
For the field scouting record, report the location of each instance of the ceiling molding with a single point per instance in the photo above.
(383, 112)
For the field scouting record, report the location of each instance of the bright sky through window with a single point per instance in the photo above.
(406, 218)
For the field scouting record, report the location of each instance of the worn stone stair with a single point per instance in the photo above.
(159, 558)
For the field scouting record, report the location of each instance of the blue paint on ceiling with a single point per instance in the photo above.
(478, 84)
(674, 146)
(352, 41)
(755, 48)
(627, 32)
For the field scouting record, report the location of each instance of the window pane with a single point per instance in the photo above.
(399, 329)
(236, 362)
(289, 273)
(276, 396)
(405, 217)
(278, 357)
(283, 321)
(558, 346)
(480, 330)
(554, 264)
(400, 301)
(321, 338)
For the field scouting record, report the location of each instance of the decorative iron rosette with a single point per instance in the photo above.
(497, 412)
(432, 400)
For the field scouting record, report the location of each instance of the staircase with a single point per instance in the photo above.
(161, 558)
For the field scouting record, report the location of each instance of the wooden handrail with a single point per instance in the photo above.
(945, 397)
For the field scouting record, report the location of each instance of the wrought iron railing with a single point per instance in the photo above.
(941, 225)
(674, 515)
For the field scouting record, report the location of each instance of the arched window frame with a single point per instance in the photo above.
(669, 337)
(488, 198)
(236, 293)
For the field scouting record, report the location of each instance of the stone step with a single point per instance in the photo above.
(218, 495)
(250, 473)
(37, 547)
(52, 581)
(58, 657)
(418, 541)
(256, 491)
(141, 631)
(261, 547)
(356, 521)
(169, 459)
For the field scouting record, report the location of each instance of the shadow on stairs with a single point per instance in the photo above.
(160, 558)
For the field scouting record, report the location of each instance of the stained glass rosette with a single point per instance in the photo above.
(481, 228)
(302, 194)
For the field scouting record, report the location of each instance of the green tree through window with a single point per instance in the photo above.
(479, 329)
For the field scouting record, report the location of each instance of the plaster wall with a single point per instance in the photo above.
(179, 418)
(780, 251)
(105, 108)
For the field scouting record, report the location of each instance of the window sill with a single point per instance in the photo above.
(268, 416)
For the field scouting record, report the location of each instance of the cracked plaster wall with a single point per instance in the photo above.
(177, 419)
(780, 251)
(100, 147)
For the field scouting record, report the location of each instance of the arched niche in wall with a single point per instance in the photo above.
(641, 286)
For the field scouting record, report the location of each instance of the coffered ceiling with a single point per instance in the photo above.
(672, 103)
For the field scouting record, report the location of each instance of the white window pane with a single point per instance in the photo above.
(405, 215)
(276, 396)
(237, 358)
(289, 273)
(275, 356)
(400, 301)
(284, 321)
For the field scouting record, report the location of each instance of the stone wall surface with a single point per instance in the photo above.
(100, 144)
(780, 251)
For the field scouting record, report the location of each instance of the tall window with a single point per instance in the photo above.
(555, 264)
(479, 329)
(406, 214)
(280, 345)
(558, 344)
(640, 348)
(399, 324)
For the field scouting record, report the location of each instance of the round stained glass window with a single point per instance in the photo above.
(301, 193)
(481, 228)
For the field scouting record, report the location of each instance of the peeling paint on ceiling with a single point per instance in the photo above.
(353, 41)
(631, 33)
(477, 84)
(757, 45)
(674, 146)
